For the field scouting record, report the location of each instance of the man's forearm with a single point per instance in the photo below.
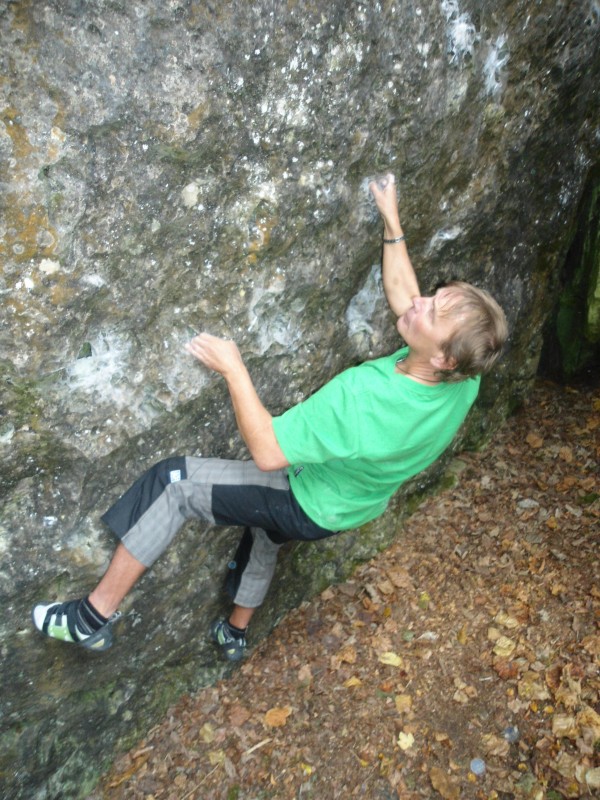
(399, 279)
(254, 422)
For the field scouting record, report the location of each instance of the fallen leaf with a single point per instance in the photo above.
(207, 733)
(348, 654)
(385, 587)
(588, 722)
(238, 715)
(305, 675)
(353, 681)
(400, 577)
(129, 772)
(405, 740)
(566, 454)
(403, 703)
(564, 726)
(592, 645)
(462, 636)
(569, 691)
(216, 757)
(445, 784)
(566, 765)
(505, 669)
(391, 659)
(460, 696)
(494, 745)
(504, 647)
(534, 441)
(592, 778)
(277, 717)
(504, 619)
(531, 687)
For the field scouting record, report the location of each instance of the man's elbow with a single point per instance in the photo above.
(269, 461)
(268, 455)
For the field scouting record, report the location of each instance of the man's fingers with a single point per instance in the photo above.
(382, 182)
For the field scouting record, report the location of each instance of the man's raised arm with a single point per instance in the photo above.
(254, 422)
(399, 279)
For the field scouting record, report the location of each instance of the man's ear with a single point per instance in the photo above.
(440, 362)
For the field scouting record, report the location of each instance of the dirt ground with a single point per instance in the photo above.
(475, 636)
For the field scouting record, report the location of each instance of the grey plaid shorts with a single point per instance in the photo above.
(147, 517)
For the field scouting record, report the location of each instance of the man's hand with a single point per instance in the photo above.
(221, 355)
(384, 192)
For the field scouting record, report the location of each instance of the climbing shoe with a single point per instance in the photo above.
(64, 621)
(232, 647)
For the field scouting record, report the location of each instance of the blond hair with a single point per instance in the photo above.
(477, 342)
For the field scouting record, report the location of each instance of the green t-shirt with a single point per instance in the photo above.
(367, 431)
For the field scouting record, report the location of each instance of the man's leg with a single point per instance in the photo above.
(88, 622)
(253, 585)
(240, 616)
(122, 574)
(146, 518)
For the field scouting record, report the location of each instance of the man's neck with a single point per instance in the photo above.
(417, 370)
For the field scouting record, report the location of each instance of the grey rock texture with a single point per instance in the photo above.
(170, 166)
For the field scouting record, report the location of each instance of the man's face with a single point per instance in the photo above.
(429, 322)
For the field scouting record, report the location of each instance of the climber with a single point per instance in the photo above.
(329, 464)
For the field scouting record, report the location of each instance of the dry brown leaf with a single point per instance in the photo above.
(531, 687)
(403, 703)
(507, 670)
(391, 659)
(493, 745)
(445, 784)
(385, 587)
(588, 722)
(238, 715)
(592, 645)
(566, 454)
(400, 577)
(504, 619)
(278, 716)
(124, 776)
(534, 441)
(207, 733)
(305, 675)
(216, 757)
(569, 691)
(592, 778)
(348, 654)
(564, 726)
(504, 647)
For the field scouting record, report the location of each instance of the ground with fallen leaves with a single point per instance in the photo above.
(475, 636)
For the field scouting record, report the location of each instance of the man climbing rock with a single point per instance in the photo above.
(329, 464)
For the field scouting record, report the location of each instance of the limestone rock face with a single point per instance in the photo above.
(170, 167)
